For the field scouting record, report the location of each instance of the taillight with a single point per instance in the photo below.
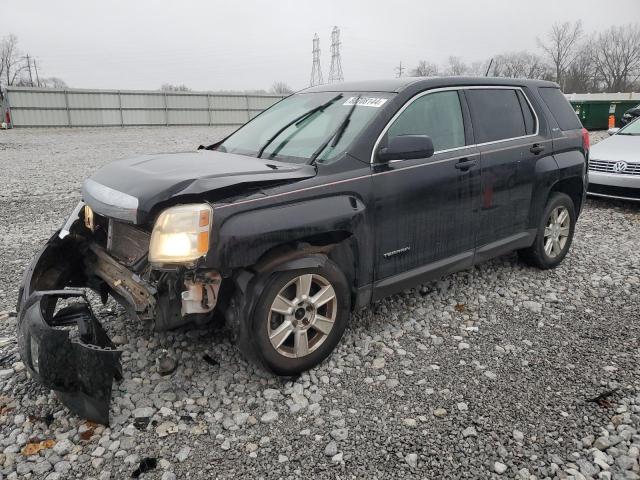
(585, 139)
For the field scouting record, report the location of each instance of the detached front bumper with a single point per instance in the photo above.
(69, 352)
(64, 347)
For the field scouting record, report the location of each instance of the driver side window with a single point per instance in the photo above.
(437, 115)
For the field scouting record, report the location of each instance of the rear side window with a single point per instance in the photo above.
(560, 108)
(529, 120)
(496, 114)
(437, 115)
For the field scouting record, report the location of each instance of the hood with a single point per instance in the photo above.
(129, 189)
(617, 148)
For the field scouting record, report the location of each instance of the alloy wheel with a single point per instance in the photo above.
(302, 315)
(556, 232)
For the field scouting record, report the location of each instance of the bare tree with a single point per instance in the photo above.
(281, 88)
(167, 87)
(11, 61)
(456, 67)
(53, 82)
(581, 75)
(617, 57)
(518, 65)
(561, 46)
(424, 69)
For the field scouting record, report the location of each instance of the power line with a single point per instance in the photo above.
(29, 67)
(316, 70)
(335, 72)
(399, 70)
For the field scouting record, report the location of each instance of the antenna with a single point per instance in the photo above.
(399, 70)
(316, 71)
(489, 67)
(335, 72)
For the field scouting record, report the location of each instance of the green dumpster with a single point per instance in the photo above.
(594, 114)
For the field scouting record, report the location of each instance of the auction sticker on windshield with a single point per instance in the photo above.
(367, 101)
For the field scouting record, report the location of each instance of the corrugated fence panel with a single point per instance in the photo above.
(130, 100)
(188, 117)
(39, 107)
(237, 117)
(38, 99)
(144, 117)
(91, 118)
(187, 101)
(93, 100)
(40, 118)
(228, 102)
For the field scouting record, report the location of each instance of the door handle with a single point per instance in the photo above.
(465, 164)
(536, 149)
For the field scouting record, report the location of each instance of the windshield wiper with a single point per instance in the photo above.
(337, 134)
(297, 121)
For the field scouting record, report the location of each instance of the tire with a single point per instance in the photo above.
(304, 320)
(545, 258)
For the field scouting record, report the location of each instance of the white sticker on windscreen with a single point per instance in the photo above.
(366, 101)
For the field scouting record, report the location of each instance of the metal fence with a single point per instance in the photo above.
(43, 107)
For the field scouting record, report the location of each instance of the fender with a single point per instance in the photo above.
(248, 287)
(243, 238)
(546, 175)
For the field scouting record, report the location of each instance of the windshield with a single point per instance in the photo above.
(632, 128)
(297, 128)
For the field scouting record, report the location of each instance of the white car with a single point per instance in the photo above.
(614, 164)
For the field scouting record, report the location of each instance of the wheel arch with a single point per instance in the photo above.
(571, 186)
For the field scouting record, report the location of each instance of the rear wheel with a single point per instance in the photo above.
(298, 319)
(555, 233)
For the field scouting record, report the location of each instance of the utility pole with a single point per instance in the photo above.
(35, 67)
(29, 67)
(399, 70)
(316, 71)
(335, 72)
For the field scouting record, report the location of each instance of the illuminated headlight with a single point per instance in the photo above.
(181, 234)
(88, 218)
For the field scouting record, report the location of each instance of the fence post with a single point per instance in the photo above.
(209, 106)
(120, 107)
(66, 104)
(166, 110)
(246, 97)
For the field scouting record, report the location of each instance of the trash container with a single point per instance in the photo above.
(594, 114)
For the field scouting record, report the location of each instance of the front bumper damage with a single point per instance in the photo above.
(69, 352)
(65, 348)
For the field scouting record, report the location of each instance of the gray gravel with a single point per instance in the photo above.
(485, 373)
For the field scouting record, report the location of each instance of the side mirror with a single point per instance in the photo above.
(613, 131)
(406, 147)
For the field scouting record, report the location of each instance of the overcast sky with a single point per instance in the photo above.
(249, 44)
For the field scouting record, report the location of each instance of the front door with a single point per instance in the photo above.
(426, 208)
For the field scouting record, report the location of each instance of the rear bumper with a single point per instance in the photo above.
(69, 352)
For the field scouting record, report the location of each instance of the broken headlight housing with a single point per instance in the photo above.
(181, 234)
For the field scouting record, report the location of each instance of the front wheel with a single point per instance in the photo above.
(299, 319)
(555, 233)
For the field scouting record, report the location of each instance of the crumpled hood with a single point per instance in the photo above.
(128, 189)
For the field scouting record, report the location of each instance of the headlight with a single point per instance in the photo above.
(181, 234)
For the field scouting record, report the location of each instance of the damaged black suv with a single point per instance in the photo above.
(327, 201)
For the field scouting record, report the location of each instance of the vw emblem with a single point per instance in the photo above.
(619, 167)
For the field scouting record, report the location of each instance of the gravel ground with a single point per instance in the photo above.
(485, 373)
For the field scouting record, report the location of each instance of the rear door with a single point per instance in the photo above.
(506, 131)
